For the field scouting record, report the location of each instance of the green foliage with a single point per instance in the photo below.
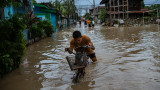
(57, 4)
(34, 1)
(87, 16)
(142, 4)
(37, 29)
(12, 44)
(34, 25)
(67, 8)
(5, 3)
(6, 64)
(103, 15)
(41, 28)
(154, 8)
(48, 27)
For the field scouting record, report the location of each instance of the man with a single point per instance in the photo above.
(92, 23)
(85, 22)
(79, 40)
(89, 23)
(80, 22)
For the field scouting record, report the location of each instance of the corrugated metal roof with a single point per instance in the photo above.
(104, 1)
(40, 5)
(49, 10)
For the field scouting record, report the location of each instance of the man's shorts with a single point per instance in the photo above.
(93, 55)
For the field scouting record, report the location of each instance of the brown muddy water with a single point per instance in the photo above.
(128, 59)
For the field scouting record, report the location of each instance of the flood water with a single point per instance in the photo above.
(128, 59)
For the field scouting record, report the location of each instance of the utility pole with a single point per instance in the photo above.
(158, 18)
(157, 12)
(94, 9)
(143, 18)
(86, 10)
(110, 7)
(68, 12)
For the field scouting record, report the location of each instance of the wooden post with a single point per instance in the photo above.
(127, 9)
(110, 9)
(94, 9)
(114, 7)
(123, 8)
(118, 9)
(2, 13)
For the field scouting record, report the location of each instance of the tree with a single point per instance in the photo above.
(34, 1)
(5, 3)
(67, 8)
(154, 8)
(103, 14)
(142, 4)
(87, 16)
(57, 4)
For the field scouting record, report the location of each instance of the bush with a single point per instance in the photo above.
(48, 27)
(12, 44)
(41, 28)
(37, 31)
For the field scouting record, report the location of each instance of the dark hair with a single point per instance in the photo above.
(77, 34)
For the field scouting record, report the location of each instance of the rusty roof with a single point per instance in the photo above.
(104, 1)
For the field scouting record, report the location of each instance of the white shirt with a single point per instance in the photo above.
(92, 22)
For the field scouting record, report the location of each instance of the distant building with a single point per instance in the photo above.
(124, 8)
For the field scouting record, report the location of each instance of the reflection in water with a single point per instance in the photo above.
(128, 59)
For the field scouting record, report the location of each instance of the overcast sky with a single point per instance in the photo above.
(98, 1)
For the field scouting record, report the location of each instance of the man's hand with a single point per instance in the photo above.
(91, 44)
(66, 49)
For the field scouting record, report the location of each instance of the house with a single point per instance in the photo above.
(125, 9)
(46, 13)
(25, 7)
(64, 21)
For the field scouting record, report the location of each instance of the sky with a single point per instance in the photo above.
(89, 3)
(98, 1)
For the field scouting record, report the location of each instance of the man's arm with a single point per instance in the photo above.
(71, 48)
(90, 43)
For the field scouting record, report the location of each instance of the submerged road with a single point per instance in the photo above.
(128, 59)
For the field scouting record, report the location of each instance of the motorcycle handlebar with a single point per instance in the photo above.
(87, 46)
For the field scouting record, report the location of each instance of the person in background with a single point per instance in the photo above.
(85, 22)
(79, 22)
(92, 23)
(89, 23)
